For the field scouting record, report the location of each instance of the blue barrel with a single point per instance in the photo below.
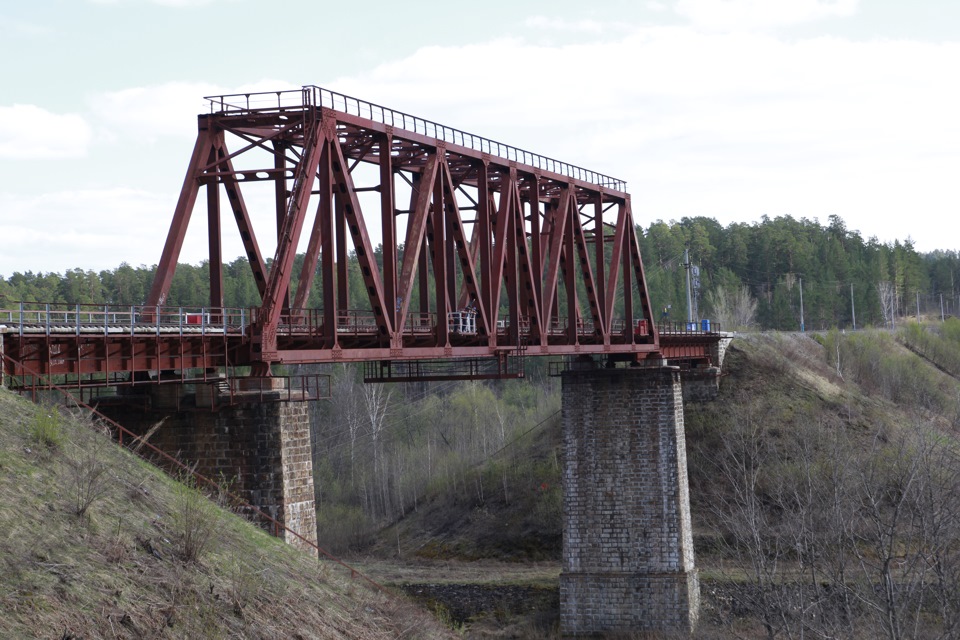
(705, 325)
(691, 326)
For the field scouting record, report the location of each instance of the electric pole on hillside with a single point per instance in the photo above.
(853, 309)
(686, 265)
(801, 305)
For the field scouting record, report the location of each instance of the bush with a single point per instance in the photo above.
(195, 520)
(46, 430)
(88, 475)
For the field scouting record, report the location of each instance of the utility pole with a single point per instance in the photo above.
(853, 309)
(686, 265)
(801, 306)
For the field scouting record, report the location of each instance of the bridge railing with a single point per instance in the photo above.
(349, 322)
(92, 319)
(314, 96)
(689, 328)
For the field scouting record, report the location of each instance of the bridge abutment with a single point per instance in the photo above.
(262, 451)
(627, 540)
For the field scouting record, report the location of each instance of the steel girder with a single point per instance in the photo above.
(526, 249)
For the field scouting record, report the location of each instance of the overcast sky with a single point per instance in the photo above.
(731, 109)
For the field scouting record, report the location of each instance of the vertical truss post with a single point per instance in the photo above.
(388, 222)
(483, 232)
(536, 250)
(566, 266)
(280, 195)
(600, 264)
(213, 237)
(616, 257)
(325, 225)
(438, 252)
(512, 249)
(343, 263)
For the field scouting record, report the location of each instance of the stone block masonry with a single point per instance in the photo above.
(627, 539)
(262, 451)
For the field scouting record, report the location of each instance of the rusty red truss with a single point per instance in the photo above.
(422, 245)
(484, 249)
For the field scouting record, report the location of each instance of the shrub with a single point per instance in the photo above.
(88, 476)
(195, 520)
(45, 429)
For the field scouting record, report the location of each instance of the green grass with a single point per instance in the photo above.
(120, 571)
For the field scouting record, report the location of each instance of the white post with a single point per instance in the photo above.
(686, 265)
(853, 309)
(801, 306)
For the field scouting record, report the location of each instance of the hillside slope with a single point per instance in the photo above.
(120, 570)
(805, 431)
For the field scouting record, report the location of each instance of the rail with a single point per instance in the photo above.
(314, 96)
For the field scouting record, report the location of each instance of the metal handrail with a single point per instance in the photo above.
(314, 96)
(106, 319)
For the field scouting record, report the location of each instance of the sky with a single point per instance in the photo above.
(730, 109)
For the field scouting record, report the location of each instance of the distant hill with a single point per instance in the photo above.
(122, 569)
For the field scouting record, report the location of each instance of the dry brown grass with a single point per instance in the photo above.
(117, 572)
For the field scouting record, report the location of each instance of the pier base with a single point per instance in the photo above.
(262, 451)
(627, 541)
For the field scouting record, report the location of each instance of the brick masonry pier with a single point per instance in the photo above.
(261, 450)
(627, 541)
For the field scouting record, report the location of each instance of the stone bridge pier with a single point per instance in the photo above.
(627, 541)
(261, 450)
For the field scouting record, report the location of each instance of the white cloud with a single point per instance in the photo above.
(29, 131)
(560, 24)
(151, 112)
(732, 125)
(20, 27)
(747, 15)
(100, 228)
(87, 229)
(163, 3)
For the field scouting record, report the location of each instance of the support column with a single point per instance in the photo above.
(627, 540)
(261, 450)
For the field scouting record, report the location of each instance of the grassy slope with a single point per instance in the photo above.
(117, 572)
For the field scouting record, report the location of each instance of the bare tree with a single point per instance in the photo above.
(732, 309)
(376, 400)
(888, 302)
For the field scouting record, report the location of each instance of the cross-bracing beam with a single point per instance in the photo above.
(422, 242)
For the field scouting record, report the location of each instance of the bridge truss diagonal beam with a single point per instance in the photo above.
(479, 254)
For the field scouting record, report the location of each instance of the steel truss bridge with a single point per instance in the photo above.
(487, 253)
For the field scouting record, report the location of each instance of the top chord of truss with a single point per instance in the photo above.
(314, 96)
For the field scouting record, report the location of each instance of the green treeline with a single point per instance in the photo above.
(750, 275)
(842, 273)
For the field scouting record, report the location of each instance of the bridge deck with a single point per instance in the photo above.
(106, 342)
